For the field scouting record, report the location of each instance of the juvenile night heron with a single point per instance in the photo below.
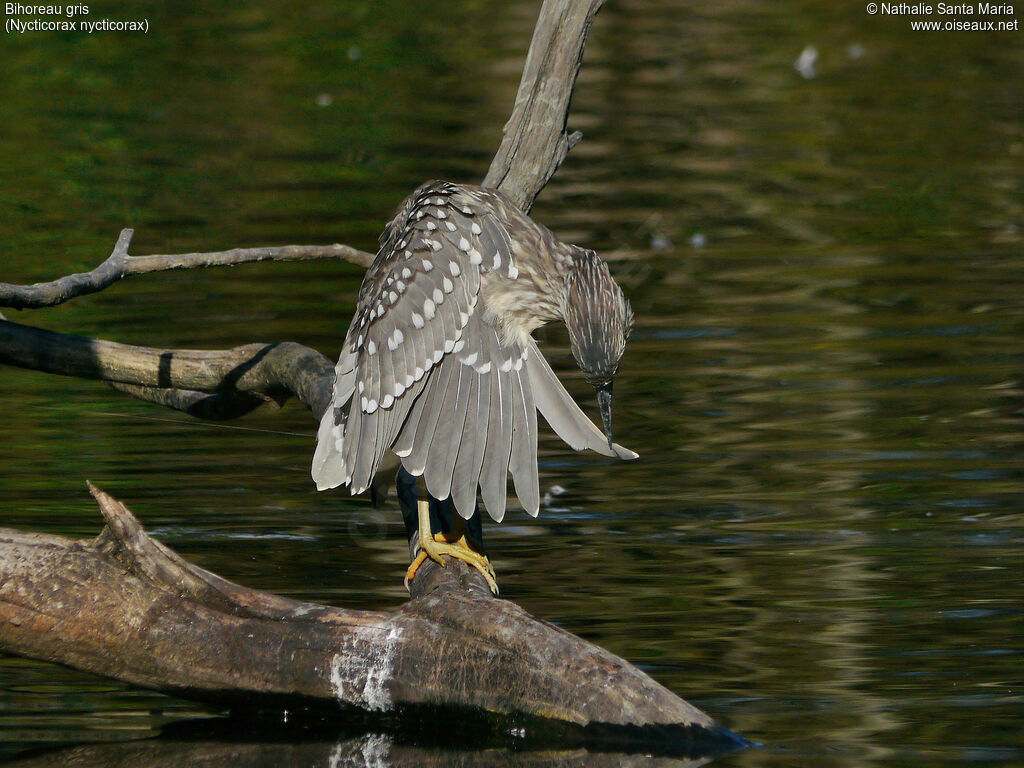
(439, 367)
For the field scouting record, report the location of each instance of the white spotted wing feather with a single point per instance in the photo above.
(424, 373)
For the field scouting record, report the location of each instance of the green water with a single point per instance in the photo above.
(822, 543)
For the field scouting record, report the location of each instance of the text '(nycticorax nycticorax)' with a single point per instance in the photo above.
(440, 369)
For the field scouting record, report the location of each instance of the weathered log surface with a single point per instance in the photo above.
(208, 384)
(535, 141)
(125, 606)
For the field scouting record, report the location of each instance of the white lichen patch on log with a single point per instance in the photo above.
(360, 678)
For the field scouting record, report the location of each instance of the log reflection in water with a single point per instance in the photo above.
(219, 742)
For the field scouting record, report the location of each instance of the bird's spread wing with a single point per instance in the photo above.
(407, 370)
(424, 374)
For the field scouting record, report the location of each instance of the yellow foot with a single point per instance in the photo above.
(439, 547)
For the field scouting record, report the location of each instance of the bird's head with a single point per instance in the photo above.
(600, 321)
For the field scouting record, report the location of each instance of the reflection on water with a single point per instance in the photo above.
(364, 752)
(821, 544)
(458, 742)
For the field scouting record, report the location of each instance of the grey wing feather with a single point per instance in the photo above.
(370, 454)
(353, 432)
(329, 469)
(361, 428)
(363, 463)
(523, 461)
(425, 425)
(406, 438)
(398, 336)
(474, 433)
(483, 424)
(494, 472)
(425, 341)
(448, 437)
(328, 465)
(399, 415)
(561, 412)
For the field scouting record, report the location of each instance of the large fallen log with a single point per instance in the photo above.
(125, 606)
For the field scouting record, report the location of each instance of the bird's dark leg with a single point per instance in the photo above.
(436, 530)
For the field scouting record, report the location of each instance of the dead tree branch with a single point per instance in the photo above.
(120, 265)
(238, 379)
(535, 140)
(125, 606)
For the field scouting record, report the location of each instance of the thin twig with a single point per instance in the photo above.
(141, 265)
(120, 265)
(68, 287)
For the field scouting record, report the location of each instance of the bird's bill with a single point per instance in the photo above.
(604, 402)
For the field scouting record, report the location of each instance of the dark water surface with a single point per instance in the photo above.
(822, 545)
